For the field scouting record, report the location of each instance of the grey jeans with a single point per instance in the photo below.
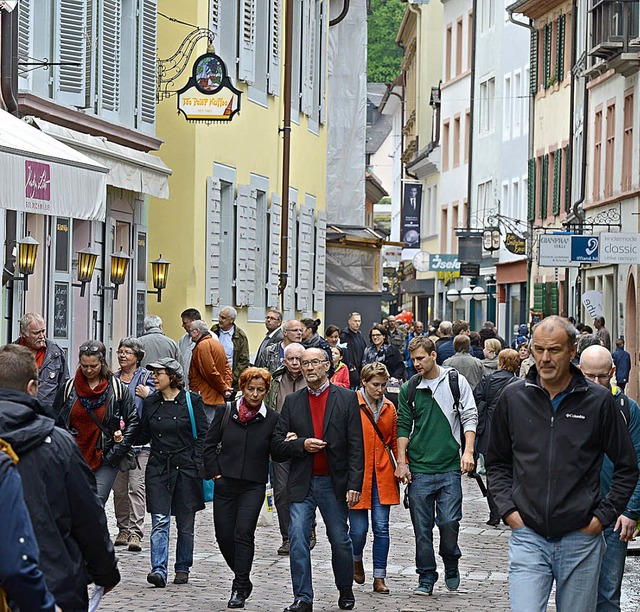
(129, 497)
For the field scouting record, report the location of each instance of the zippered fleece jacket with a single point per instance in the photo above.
(434, 438)
(546, 464)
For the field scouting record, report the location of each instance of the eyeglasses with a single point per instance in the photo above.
(157, 373)
(89, 349)
(598, 377)
(126, 353)
(314, 363)
(295, 331)
(268, 318)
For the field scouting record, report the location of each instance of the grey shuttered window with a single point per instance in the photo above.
(109, 29)
(247, 60)
(275, 47)
(531, 189)
(321, 262)
(213, 248)
(147, 42)
(246, 245)
(557, 179)
(533, 63)
(70, 51)
(306, 245)
(275, 214)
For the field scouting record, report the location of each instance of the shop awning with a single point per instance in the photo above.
(129, 169)
(39, 174)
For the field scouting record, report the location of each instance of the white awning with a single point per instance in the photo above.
(129, 169)
(39, 174)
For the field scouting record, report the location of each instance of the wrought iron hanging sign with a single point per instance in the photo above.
(209, 96)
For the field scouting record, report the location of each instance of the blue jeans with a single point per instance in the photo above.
(334, 513)
(435, 499)
(358, 526)
(160, 524)
(105, 477)
(610, 580)
(573, 561)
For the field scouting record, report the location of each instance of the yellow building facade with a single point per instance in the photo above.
(220, 228)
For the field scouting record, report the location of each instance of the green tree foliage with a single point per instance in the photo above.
(385, 56)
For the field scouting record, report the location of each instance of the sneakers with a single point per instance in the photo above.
(134, 543)
(122, 539)
(284, 548)
(452, 578)
(424, 588)
(157, 580)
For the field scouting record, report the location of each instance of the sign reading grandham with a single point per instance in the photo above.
(209, 95)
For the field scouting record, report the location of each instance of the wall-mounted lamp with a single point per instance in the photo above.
(27, 252)
(159, 273)
(86, 265)
(119, 266)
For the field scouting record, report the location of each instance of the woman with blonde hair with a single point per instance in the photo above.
(491, 349)
(379, 486)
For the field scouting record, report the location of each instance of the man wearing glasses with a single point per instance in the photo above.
(50, 358)
(596, 364)
(320, 429)
(273, 323)
(548, 438)
(273, 357)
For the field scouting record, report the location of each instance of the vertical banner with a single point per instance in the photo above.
(411, 207)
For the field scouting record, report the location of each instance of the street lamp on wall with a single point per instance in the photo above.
(27, 253)
(87, 259)
(159, 273)
(119, 266)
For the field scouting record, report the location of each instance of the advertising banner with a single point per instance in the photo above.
(555, 251)
(619, 248)
(411, 207)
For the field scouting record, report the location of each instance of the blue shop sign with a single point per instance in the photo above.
(585, 249)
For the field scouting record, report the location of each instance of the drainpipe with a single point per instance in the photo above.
(9, 61)
(286, 151)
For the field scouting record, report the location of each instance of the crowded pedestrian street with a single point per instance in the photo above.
(483, 569)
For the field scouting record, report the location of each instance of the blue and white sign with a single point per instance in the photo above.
(585, 249)
(619, 248)
(555, 251)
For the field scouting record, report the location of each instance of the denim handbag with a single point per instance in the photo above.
(207, 485)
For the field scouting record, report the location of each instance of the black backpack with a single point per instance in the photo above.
(414, 381)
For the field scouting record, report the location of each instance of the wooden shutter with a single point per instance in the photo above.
(533, 63)
(275, 30)
(275, 214)
(309, 41)
(544, 186)
(323, 47)
(567, 178)
(70, 49)
(546, 30)
(557, 177)
(289, 301)
(213, 241)
(531, 189)
(305, 258)
(147, 42)
(247, 65)
(246, 245)
(110, 15)
(25, 30)
(321, 262)
(560, 48)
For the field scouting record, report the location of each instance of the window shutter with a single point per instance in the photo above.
(321, 262)
(289, 302)
(214, 24)
(109, 55)
(305, 258)
(25, 29)
(247, 66)
(147, 33)
(275, 30)
(533, 63)
(309, 41)
(246, 245)
(539, 297)
(567, 178)
(560, 48)
(70, 51)
(275, 214)
(547, 55)
(557, 166)
(531, 189)
(213, 241)
(544, 186)
(323, 46)
(553, 299)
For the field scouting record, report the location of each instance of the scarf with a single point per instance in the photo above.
(245, 413)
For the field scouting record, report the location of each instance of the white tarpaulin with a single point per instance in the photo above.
(128, 168)
(38, 174)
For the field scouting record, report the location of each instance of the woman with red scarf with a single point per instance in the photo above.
(237, 455)
(100, 412)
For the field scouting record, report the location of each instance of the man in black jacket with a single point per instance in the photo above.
(320, 429)
(548, 438)
(59, 488)
(352, 336)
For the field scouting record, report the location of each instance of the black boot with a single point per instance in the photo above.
(237, 600)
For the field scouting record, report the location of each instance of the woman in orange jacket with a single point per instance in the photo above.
(379, 487)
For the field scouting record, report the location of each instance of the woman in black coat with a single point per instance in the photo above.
(487, 394)
(176, 432)
(380, 350)
(236, 454)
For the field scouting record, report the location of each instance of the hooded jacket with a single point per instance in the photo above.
(546, 464)
(60, 492)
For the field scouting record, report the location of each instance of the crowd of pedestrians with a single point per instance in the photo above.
(336, 423)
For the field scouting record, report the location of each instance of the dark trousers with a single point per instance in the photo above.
(236, 507)
(279, 479)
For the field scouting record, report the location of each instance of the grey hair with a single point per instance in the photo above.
(293, 346)
(135, 345)
(29, 318)
(200, 325)
(554, 322)
(152, 321)
(231, 311)
(445, 328)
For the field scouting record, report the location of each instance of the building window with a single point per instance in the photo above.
(505, 197)
(454, 226)
(517, 104)
(506, 108)
(447, 55)
(487, 15)
(597, 154)
(610, 148)
(459, 40)
(627, 143)
(484, 192)
(443, 228)
(445, 145)
(487, 101)
(456, 141)
(515, 199)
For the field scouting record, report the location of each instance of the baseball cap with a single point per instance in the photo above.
(168, 363)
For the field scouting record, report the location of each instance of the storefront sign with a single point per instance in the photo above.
(619, 248)
(209, 95)
(469, 269)
(555, 251)
(584, 249)
(515, 244)
(444, 263)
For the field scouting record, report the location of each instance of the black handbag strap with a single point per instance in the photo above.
(375, 425)
(100, 425)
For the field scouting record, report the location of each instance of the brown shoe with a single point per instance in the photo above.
(358, 572)
(284, 548)
(122, 539)
(379, 586)
(134, 543)
(181, 578)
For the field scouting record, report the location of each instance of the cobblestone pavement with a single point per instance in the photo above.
(483, 567)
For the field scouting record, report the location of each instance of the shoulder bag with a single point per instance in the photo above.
(392, 458)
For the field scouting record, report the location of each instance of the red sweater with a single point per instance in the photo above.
(317, 405)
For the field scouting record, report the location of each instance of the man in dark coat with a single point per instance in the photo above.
(622, 361)
(320, 429)
(356, 343)
(273, 323)
(59, 488)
